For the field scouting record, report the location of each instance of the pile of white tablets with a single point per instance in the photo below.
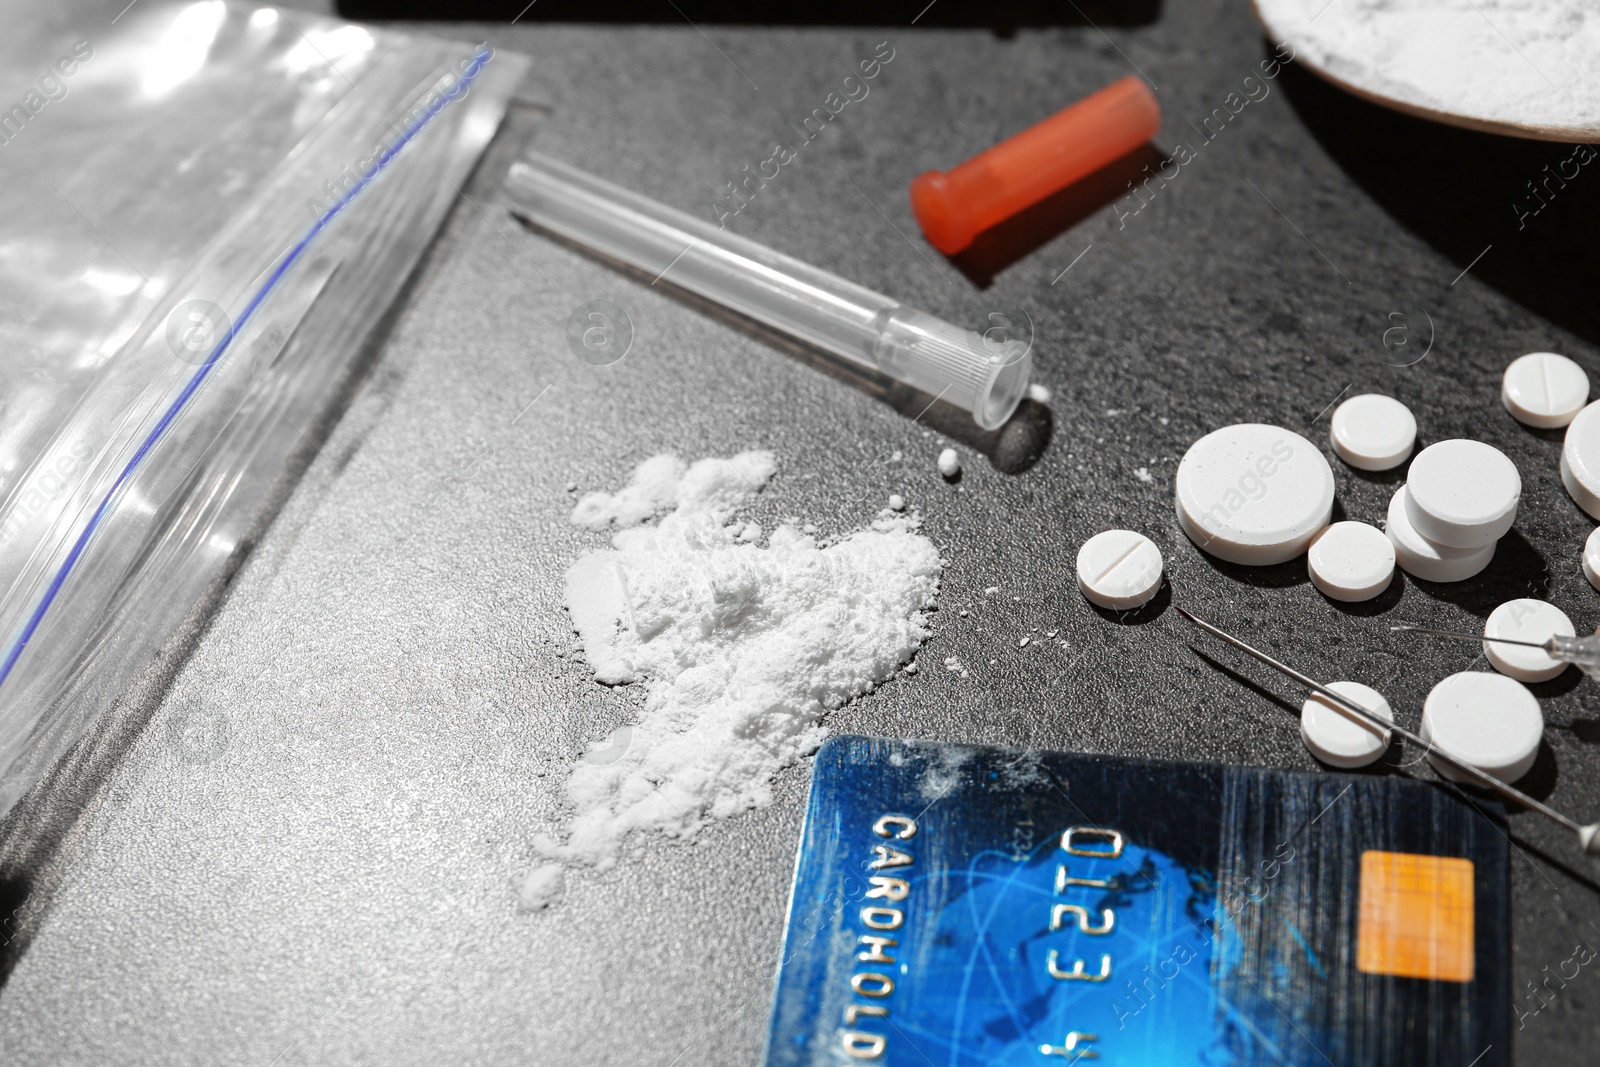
(1257, 495)
(1491, 721)
(1459, 499)
(1548, 391)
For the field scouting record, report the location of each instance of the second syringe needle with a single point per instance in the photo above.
(1581, 652)
(1588, 835)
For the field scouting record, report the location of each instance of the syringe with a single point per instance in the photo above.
(987, 374)
(1588, 833)
(1582, 652)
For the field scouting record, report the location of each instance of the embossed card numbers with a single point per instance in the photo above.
(962, 905)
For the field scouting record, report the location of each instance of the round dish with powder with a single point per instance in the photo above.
(1509, 67)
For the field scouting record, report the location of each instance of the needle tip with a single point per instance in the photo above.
(1183, 614)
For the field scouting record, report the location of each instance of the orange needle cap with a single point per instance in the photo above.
(953, 206)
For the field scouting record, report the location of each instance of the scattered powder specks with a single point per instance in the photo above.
(1039, 393)
(953, 665)
(1144, 475)
(897, 502)
(943, 773)
(541, 887)
(991, 591)
(1023, 643)
(949, 463)
(741, 649)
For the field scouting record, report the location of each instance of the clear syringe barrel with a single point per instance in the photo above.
(1581, 652)
(984, 374)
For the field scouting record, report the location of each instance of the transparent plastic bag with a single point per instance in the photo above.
(210, 206)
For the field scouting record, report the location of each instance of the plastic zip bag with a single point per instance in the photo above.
(215, 205)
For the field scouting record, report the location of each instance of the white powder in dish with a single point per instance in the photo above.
(1534, 62)
(741, 649)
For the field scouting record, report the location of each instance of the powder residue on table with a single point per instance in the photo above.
(1534, 62)
(742, 648)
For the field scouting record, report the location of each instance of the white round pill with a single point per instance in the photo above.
(1525, 620)
(1462, 494)
(1486, 720)
(1373, 432)
(1580, 460)
(1421, 558)
(1544, 390)
(1591, 558)
(1253, 494)
(1119, 569)
(1351, 561)
(1339, 737)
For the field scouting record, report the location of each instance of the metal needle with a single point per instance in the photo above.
(1588, 836)
(1408, 628)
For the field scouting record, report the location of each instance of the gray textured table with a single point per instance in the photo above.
(295, 842)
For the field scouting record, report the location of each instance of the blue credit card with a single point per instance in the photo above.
(959, 905)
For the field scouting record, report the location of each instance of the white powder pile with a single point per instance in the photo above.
(712, 487)
(741, 648)
(1535, 62)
